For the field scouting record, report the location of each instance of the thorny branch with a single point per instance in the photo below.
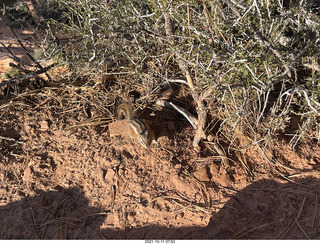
(14, 81)
(28, 53)
(18, 79)
(309, 100)
(201, 110)
(238, 57)
(11, 55)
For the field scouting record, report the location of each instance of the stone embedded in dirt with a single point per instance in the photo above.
(110, 174)
(202, 174)
(178, 166)
(27, 176)
(117, 128)
(218, 175)
(44, 125)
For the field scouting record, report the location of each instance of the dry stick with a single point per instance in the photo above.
(189, 28)
(304, 174)
(94, 214)
(66, 225)
(215, 25)
(259, 37)
(123, 224)
(27, 76)
(50, 214)
(31, 6)
(202, 111)
(182, 64)
(242, 233)
(98, 232)
(14, 57)
(302, 229)
(182, 208)
(28, 53)
(222, 154)
(205, 10)
(194, 122)
(316, 207)
(190, 204)
(154, 34)
(292, 191)
(10, 139)
(201, 186)
(234, 9)
(167, 197)
(19, 68)
(34, 225)
(61, 225)
(42, 103)
(265, 43)
(244, 163)
(63, 219)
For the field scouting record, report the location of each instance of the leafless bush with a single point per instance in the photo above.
(252, 64)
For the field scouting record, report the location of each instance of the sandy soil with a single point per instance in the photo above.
(63, 179)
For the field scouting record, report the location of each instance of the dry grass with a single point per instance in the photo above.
(246, 231)
(293, 221)
(183, 204)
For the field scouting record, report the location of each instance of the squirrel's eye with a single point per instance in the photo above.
(141, 132)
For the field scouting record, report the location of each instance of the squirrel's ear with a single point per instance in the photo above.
(121, 114)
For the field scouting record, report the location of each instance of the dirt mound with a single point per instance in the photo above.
(64, 177)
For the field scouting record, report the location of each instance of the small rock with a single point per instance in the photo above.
(118, 127)
(44, 125)
(110, 174)
(202, 174)
(27, 176)
(178, 166)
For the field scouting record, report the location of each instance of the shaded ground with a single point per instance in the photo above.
(63, 177)
(263, 210)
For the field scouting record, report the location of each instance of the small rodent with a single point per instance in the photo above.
(137, 129)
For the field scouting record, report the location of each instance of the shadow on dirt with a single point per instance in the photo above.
(263, 210)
